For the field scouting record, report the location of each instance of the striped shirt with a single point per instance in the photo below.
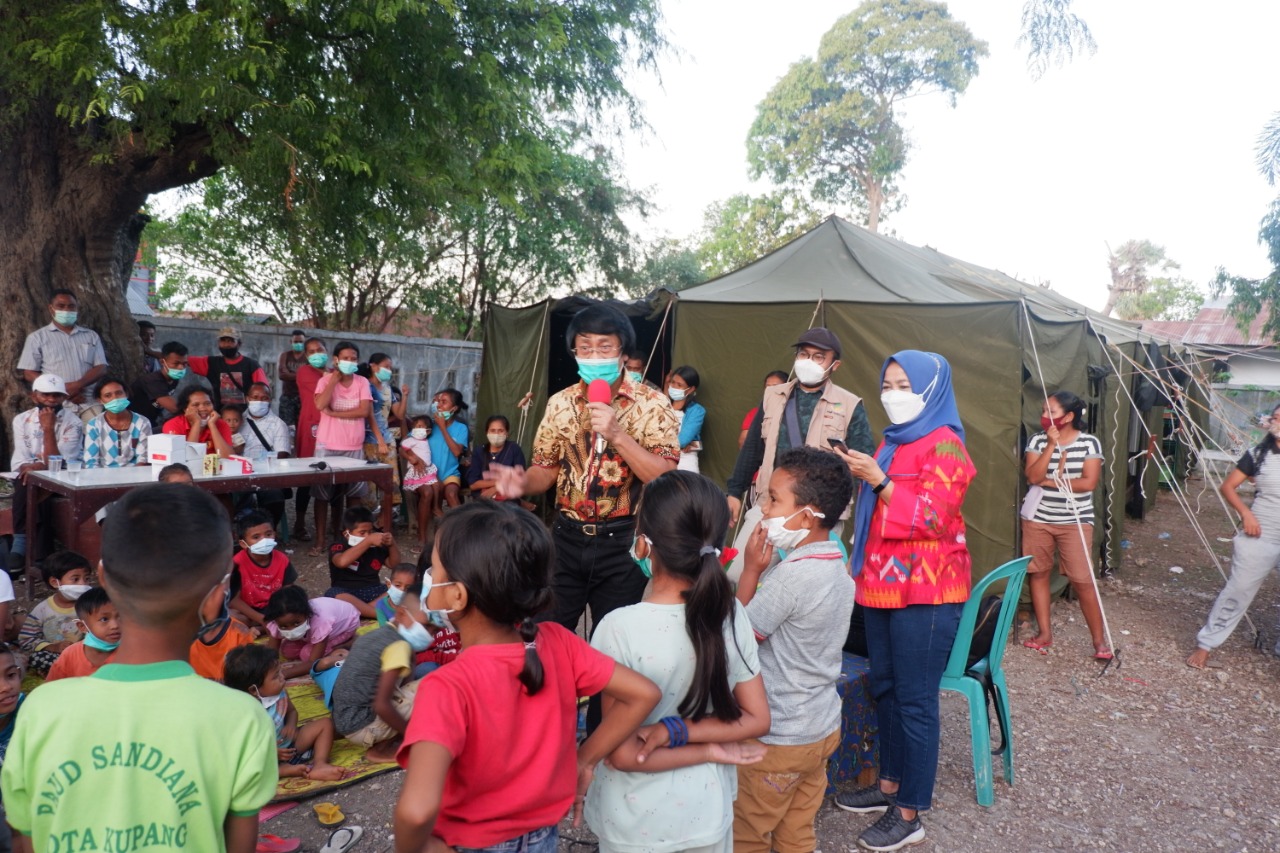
(105, 447)
(1057, 507)
(66, 354)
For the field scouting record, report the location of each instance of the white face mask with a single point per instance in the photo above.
(268, 702)
(902, 406)
(353, 541)
(420, 433)
(72, 591)
(782, 537)
(263, 547)
(809, 372)
(676, 394)
(395, 594)
(496, 439)
(258, 408)
(297, 633)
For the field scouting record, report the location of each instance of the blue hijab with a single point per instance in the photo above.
(930, 375)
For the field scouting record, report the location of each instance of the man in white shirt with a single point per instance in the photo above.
(66, 350)
(265, 432)
(48, 429)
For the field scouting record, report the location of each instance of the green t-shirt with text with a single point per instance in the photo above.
(149, 757)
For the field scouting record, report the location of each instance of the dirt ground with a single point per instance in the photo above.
(1151, 756)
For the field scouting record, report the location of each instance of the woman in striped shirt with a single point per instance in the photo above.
(1066, 463)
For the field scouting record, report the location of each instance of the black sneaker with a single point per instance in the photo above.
(891, 832)
(865, 800)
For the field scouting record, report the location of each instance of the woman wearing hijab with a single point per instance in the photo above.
(911, 565)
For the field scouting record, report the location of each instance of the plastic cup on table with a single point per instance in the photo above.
(73, 467)
(53, 464)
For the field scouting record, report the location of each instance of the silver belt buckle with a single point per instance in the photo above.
(589, 530)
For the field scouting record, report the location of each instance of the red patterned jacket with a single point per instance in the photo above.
(916, 551)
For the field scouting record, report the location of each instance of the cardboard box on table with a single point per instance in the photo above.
(163, 450)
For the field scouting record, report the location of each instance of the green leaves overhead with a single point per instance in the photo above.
(828, 126)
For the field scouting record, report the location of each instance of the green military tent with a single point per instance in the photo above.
(880, 295)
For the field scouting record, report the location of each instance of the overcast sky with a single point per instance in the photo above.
(1152, 137)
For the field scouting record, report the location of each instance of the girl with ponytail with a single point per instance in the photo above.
(673, 783)
(490, 755)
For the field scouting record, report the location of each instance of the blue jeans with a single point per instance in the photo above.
(538, 841)
(908, 648)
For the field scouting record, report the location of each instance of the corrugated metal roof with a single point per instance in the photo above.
(1213, 327)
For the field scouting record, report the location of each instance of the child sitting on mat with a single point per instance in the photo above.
(50, 627)
(260, 568)
(101, 623)
(305, 631)
(373, 694)
(401, 578)
(301, 750)
(354, 562)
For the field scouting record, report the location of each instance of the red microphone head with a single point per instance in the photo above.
(598, 391)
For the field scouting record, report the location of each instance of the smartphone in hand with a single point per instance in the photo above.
(838, 445)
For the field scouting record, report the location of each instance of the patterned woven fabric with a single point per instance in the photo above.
(105, 447)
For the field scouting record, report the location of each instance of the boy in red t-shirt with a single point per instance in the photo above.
(259, 568)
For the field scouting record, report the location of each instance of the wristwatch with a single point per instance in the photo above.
(880, 488)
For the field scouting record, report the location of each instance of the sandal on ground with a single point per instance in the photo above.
(329, 814)
(343, 839)
(276, 844)
(1103, 654)
(1034, 643)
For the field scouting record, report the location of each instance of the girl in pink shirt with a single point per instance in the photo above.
(491, 758)
(307, 631)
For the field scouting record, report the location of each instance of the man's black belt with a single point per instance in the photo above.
(600, 528)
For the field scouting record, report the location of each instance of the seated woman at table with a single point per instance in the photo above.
(118, 436)
(199, 422)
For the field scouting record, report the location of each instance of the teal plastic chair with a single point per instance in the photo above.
(969, 680)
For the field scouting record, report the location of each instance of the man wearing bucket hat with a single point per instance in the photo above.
(230, 373)
(808, 411)
(48, 430)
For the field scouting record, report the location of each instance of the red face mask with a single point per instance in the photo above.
(1065, 420)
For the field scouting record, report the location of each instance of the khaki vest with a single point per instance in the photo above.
(830, 420)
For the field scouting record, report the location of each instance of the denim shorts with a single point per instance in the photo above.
(538, 841)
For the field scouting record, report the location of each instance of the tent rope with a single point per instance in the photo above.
(1177, 491)
(662, 327)
(1061, 482)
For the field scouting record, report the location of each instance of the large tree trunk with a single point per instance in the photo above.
(71, 221)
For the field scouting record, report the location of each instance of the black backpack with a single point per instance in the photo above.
(984, 629)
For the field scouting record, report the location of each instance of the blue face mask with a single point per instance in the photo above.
(116, 406)
(636, 376)
(318, 360)
(384, 375)
(297, 347)
(93, 642)
(176, 373)
(416, 635)
(608, 369)
(65, 318)
(395, 594)
(645, 563)
(348, 367)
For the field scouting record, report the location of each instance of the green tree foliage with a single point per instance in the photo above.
(360, 108)
(667, 263)
(361, 272)
(1053, 34)
(1131, 265)
(743, 227)
(829, 127)
(1166, 298)
(1251, 296)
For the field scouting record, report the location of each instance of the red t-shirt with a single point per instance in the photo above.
(443, 650)
(257, 583)
(179, 426)
(751, 416)
(515, 765)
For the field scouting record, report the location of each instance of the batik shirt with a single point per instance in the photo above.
(591, 486)
(916, 551)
